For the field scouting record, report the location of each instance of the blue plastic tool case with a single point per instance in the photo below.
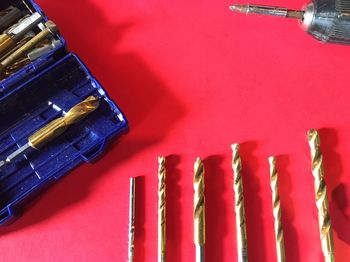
(32, 97)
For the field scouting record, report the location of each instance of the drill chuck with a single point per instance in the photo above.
(326, 20)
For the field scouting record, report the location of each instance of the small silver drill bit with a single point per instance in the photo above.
(268, 10)
(131, 247)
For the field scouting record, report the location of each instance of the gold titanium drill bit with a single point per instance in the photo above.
(131, 247)
(277, 211)
(161, 210)
(50, 30)
(199, 210)
(56, 127)
(324, 219)
(239, 206)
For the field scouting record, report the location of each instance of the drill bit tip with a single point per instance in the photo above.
(161, 160)
(272, 160)
(235, 147)
(239, 8)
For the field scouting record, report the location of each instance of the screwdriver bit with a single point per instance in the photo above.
(50, 30)
(161, 210)
(239, 205)
(8, 17)
(15, 33)
(324, 219)
(325, 20)
(199, 210)
(276, 204)
(131, 247)
(56, 127)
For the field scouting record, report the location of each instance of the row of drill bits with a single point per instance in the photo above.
(25, 38)
(242, 243)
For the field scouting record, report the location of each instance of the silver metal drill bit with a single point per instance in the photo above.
(56, 127)
(131, 247)
(268, 10)
(241, 231)
(276, 205)
(324, 218)
(161, 210)
(199, 210)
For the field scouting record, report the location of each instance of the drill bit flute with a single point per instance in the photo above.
(239, 205)
(56, 127)
(131, 246)
(324, 219)
(199, 210)
(277, 211)
(161, 210)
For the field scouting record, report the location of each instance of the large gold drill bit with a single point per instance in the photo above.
(277, 211)
(324, 219)
(131, 247)
(56, 127)
(199, 210)
(161, 210)
(239, 206)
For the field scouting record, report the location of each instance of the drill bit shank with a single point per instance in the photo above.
(199, 210)
(321, 196)
(276, 211)
(239, 205)
(267, 10)
(161, 210)
(131, 220)
(56, 127)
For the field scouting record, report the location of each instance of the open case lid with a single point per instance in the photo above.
(30, 101)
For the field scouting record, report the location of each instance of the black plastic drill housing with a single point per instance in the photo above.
(328, 20)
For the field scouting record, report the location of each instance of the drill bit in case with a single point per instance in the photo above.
(42, 84)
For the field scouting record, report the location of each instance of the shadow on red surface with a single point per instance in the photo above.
(174, 214)
(216, 208)
(128, 80)
(253, 202)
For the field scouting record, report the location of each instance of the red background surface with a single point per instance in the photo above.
(192, 78)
